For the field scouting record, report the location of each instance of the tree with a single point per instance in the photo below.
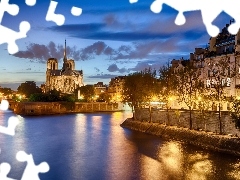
(167, 86)
(51, 96)
(6, 91)
(220, 73)
(203, 106)
(140, 88)
(150, 88)
(131, 92)
(103, 97)
(37, 97)
(235, 113)
(87, 92)
(189, 86)
(28, 88)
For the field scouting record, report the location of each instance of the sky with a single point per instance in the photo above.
(110, 38)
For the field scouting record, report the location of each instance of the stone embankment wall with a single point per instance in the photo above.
(180, 118)
(46, 108)
(206, 140)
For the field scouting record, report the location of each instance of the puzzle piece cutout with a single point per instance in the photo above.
(59, 19)
(30, 2)
(209, 9)
(4, 105)
(31, 171)
(7, 35)
(12, 121)
(4, 170)
(12, 124)
(76, 11)
(12, 9)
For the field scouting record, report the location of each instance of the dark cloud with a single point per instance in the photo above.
(41, 53)
(110, 19)
(138, 51)
(114, 68)
(115, 28)
(97, 48)
(28, 69)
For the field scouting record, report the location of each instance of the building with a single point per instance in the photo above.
(223, 49)
(99, 88)
(65, 80)
(115, 88)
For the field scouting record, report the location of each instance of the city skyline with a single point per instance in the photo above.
(108, 39)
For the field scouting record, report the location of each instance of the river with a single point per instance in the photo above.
(93, 146)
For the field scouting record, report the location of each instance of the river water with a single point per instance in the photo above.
(93, 146)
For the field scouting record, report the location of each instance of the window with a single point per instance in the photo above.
(209, 71)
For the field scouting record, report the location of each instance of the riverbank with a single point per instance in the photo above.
(206, 140)
(51, 108)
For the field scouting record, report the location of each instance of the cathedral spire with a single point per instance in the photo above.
(65, 53)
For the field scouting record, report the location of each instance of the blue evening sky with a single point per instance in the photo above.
(110, 38)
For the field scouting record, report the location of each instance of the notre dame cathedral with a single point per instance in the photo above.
(65, 80)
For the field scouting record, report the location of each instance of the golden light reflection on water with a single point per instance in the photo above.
(170, 154)
(151, 168)
(235, 173)
(119, 117)
(200, 167)
(118, 154)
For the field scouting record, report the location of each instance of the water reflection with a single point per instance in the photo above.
(200, 167)
(235, 172)
(151, 169)
(171, 155)
(94, 146)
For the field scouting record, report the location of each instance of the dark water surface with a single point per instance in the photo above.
(94, 146)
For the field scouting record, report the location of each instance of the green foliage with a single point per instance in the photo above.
(87, 92)
(68, 98)
(38, 97)
(235, 113)
(28, 88)
(140, 87)
(51, 96)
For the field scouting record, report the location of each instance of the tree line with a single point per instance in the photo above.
(186, 84)
(33, 93)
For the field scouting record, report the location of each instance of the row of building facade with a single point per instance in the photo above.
(222, 56)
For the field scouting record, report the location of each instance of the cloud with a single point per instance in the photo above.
(114, 68)
(97, 48)
(97, 70)
(102, 76)
(135, 51)
(41, 53)
(28, 69)
(147, 64)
